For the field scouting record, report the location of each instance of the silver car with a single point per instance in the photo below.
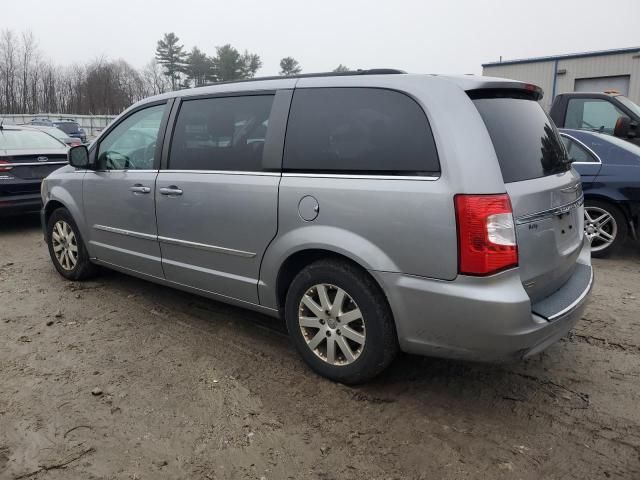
(374, 211)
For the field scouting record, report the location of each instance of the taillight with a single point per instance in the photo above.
(486, 234)
(5, 166)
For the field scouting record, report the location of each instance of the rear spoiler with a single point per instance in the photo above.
(527, 91)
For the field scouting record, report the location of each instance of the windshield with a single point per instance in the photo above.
(527, 144)
(27, 140)
(629, 104)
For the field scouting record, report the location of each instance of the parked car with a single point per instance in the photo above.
(439, 215)
(41, 122)
(604, 112)
(71, 128)
(610, 170)
(27, 155)
(59, 134)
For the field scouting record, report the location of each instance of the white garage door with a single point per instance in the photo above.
(602, 84)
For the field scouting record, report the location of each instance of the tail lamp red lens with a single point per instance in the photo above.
(5, 166)
(486, 234)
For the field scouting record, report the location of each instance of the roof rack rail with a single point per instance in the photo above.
(370, 71)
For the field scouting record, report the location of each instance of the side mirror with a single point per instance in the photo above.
(78, 157)
(622, 128)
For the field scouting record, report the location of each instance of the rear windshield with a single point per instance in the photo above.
(27, 140)
(526, 142)
(67, 127)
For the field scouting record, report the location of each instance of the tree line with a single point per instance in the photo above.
(30, 83)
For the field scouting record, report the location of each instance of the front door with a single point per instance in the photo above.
(216, 202)
(119, 195)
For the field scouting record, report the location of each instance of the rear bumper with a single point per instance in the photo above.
(484, 319)
(15, 204)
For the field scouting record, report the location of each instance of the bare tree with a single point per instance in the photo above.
(27, 54)
(154, 80)
(8, 66)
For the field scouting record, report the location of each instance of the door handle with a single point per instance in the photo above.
(171, 191)
(138, 188)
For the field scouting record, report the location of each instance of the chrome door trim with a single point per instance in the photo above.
(582, 144)
(224, 172)
(175, 241)
(124, 170)
(364, 177)
(533, 217)
(36, 164)
(127, 233)
(204, 246)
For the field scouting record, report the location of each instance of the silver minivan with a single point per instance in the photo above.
(374, 211)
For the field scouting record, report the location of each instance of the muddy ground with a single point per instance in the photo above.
(187, 388)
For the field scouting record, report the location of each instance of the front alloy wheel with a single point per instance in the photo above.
(66, 248)
(332, 324)
(65, 245)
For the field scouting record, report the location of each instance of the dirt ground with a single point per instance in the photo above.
(118, 378)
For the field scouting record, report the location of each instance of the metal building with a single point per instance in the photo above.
(576, 72)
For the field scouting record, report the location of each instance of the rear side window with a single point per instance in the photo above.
(224, 133)
(577, 153)
(527, 144)
(358, 131)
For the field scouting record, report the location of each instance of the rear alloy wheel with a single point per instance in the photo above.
(332, 324)
(605, 226)
(339, 320)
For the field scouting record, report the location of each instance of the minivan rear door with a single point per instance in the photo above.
(545, 192)
(217, 194)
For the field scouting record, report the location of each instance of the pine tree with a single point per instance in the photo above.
(199, 68)
(170, 54)
(289, 66)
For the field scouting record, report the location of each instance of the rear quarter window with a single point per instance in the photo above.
(358, 131)
(526, 142)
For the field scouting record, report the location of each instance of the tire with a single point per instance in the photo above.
(371, 339)
(614, 225)
(61, 225)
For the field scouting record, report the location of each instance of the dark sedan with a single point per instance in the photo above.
(27, 156)
(610, 170)
(71, 128)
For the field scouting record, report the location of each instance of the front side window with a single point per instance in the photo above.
(132, 144)
(358, 131)
(223, 133)
(577, 153)
(592, 114)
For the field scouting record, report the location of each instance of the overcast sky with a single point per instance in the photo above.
(417, 36)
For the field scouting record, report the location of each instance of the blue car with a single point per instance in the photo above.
(71, 128)
(610, 170)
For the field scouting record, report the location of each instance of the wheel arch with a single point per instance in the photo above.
(622, 204)
(301, 246)
(300, 259)
(50, 207)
